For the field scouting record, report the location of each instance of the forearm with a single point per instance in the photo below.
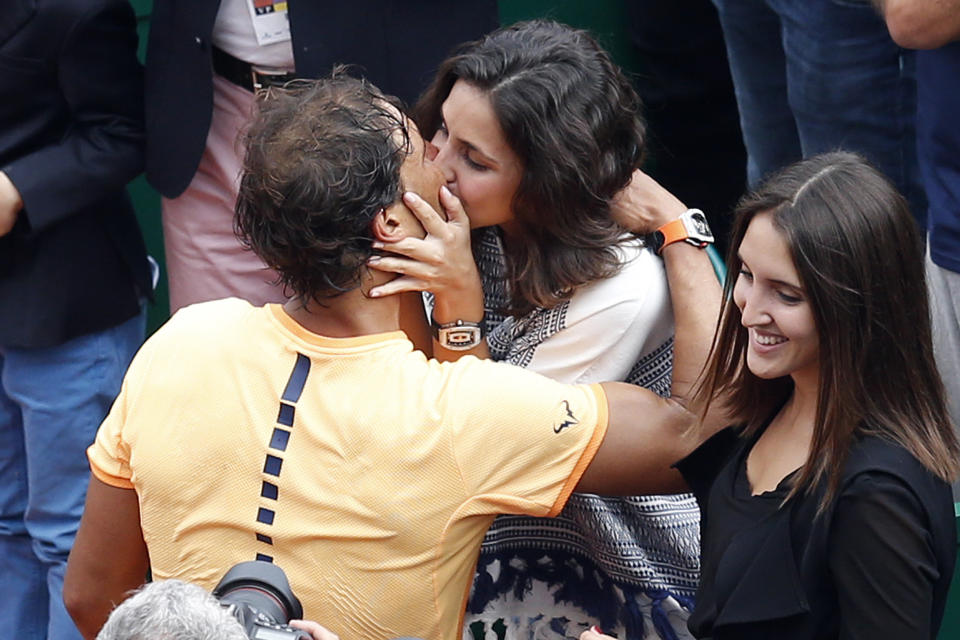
(100, 147)
(109, 557)
(696, 296)
(416, 324)
(643, 207)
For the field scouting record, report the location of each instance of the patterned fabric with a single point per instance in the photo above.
(628, 565)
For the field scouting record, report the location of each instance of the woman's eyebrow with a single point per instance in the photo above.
(469, 145)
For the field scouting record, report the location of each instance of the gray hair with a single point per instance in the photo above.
(171, 610)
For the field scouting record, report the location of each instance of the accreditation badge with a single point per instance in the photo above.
(270, 20)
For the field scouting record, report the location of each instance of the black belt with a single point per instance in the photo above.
(243, 74)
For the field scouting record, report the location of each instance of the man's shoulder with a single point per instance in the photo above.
(211, 321)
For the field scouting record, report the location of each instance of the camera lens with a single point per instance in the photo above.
(262, 586)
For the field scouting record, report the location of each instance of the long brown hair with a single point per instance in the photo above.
(859, 257)
(573, 119)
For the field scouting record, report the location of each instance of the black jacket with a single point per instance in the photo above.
(397, 44)
(70, 139)
(773, 579)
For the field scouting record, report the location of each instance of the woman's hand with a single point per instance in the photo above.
(314, 629)
(441, 262)
(643, 206)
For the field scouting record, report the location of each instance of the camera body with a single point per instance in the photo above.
(259, 596)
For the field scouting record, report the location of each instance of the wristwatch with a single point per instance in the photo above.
(459, 335)
(691, 227)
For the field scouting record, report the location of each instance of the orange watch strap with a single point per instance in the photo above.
(673, 231)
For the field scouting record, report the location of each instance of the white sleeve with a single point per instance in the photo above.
(607, 326)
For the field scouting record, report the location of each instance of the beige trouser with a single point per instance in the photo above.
(205, 261)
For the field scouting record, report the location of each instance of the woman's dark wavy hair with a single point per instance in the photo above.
(322, 158)
(859, 257)
(573, 119)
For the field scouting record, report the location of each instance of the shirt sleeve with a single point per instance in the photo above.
(522, 441)
(882, 560)
(109, 455)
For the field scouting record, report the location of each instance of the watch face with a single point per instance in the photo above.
(460, 338)
(700, 223)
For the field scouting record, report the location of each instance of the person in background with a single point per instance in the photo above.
(934, 28)
(205, 61)
(819, 75)
(694, 139)
(827, 510)
(73, 278)
(538, 134)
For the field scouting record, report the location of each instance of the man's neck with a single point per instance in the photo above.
(348, 315)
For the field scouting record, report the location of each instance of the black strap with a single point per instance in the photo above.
(242, 73)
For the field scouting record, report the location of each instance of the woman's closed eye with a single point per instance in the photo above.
(789, 298)
(473, 164)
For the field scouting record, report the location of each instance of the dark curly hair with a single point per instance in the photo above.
(573, 119)
(322, 158)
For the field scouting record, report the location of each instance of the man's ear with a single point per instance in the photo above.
(388, 224)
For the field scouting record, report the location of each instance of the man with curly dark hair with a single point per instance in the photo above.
(312, 434)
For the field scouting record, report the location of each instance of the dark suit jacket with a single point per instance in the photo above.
(397, 44)
(70, 140)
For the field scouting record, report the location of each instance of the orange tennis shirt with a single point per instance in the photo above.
(366, 471)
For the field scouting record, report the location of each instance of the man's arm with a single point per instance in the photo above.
(109, 557)
(645, 435)
(921, 24)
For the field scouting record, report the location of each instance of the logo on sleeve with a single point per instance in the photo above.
(566, 420)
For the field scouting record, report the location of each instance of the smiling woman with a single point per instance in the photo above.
(829, 497)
